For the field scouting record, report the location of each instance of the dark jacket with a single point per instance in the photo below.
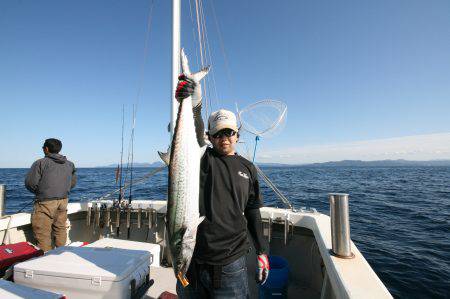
(51, 177)
(230, 200)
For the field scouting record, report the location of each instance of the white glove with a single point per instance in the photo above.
(263, 268)
(196, 77)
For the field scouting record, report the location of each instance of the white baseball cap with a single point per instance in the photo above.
(222, 119)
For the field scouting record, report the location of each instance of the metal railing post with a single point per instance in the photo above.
(340, 225)
(2, 199)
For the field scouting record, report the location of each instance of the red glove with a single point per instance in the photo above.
(263, 268)
(185, 87)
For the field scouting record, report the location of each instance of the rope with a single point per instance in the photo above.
(146, 54)
(199, 32)
(213, 78)
(205, 55)
(130, 160)
(222, 46)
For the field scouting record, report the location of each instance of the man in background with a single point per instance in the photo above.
(50, 179)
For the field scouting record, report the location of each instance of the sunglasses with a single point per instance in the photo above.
(224, 133)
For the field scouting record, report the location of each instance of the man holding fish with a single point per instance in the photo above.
(229, 202)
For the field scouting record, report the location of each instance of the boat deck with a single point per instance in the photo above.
(165, 281)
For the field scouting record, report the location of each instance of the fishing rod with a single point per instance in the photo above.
(24, 206)
(121, 154)
(121, 166)
(132, 164)
(139, 181)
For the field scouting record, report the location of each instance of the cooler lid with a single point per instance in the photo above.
(111, 264)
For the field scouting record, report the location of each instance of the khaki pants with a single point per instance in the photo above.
(50, 216)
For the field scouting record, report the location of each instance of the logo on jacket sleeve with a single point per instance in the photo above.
(243, 174)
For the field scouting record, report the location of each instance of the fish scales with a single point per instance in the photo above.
(184, 172)
(183, 217)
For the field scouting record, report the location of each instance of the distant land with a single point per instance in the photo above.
(344, 163)
(383, 163)
(359, 163)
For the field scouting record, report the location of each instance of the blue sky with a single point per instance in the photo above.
(349, 71)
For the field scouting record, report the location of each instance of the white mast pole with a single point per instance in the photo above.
(176, 12)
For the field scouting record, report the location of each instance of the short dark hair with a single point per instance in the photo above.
(54, 145)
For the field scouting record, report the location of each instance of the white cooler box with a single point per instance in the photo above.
(153, 249)
(86, 272)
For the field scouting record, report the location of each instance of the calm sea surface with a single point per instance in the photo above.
(400, 216)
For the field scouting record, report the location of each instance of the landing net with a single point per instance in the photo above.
(265, 118)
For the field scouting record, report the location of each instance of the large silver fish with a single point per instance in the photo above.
(183, 217)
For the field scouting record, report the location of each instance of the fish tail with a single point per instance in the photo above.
(182, 279)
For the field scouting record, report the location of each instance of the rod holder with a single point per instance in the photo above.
(107, 219)
(2, 199)
(139, 220)
(340, 225)
(88, 216)
(96, 216)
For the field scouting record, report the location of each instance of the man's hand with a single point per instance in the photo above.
(189, 84)
(263, 268)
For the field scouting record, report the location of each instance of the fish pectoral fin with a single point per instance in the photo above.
(165, 156)
(203, 150)
(200, 220)
(191, 232)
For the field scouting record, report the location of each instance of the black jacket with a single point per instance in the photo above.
(51, 177)
(230, 200)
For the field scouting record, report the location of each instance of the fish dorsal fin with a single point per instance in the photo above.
(165, 156)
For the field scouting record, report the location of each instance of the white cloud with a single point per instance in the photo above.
(419, 147)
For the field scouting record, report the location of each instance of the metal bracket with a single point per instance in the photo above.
(28, 273)
(96, 281)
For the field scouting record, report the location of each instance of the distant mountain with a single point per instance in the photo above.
(274, 165)
(386, 163)
(344, 163)
(137, 165)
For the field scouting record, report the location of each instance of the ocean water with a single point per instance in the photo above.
(400, 216)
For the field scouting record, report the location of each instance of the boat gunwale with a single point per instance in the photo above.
(350, 278)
